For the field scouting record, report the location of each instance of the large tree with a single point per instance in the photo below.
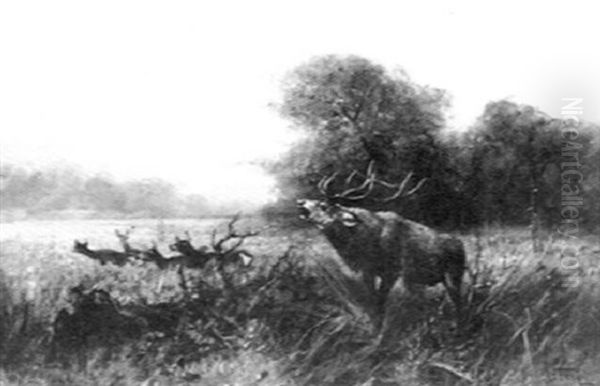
(517, 154)
(351, 111)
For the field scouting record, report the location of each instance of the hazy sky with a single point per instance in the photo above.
(180, 89)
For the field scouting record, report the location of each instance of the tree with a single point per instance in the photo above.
(352, 111)
(513, 145)
(517, 155)
(152, 197)
(104, 195)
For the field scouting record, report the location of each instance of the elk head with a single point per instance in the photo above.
(79, 246)
(182, 244)
(325, 213)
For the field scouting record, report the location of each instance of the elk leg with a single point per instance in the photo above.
(380, 295)
(370, 282)
(452, 282)
(387, 282)
(412, 288)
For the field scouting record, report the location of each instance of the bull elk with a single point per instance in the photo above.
(193, 258)
(384, 245)
(124, 241)
(165, 263)
(225, 249)
(224, 252)
(102, 255)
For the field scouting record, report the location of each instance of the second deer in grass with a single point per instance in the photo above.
(102, 255)
(164, 263)
(124, 241)
(194, 258)
(178, 262)
(225, 252)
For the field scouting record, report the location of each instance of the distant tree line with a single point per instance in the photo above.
(510, 167)
(515, 165)
(43, 191)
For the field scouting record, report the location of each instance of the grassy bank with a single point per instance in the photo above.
(297, 317)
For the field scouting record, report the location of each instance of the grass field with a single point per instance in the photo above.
(532, 320)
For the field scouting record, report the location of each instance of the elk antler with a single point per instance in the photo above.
(356, 193)
(366, 187)
(400, 192)
(324, 183)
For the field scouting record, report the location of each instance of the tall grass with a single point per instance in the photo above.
(302, 318)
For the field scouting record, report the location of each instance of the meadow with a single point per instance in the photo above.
(297, 316)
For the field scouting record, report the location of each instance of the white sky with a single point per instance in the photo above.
(180, 90)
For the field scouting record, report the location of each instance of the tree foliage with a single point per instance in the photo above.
(507, 168)
(45, 191)
(515, 149)
(352, 111)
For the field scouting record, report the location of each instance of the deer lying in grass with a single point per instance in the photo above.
(164, 263)
(102, 255)
(178, 262)
(124, 241)
(385, 245)
(96, 320)
(225, 253)
(195, 258)
(224, 249)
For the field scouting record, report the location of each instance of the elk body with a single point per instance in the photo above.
(163, 263)
(225, 252)
(226, 249)
(102, 255)
(385, 245)
(124, 241)
(190, 256)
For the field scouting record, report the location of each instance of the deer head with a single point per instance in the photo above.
(329, 211)
(324, 214)
(79, 246)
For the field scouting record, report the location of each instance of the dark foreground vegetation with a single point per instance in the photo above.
(298, 317)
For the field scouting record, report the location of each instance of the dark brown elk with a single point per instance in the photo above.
(102, 255)
(194, 258)
(164, 263)
(178, 262)
(95, 320)
(124, 241)
(227, 248)
(224, 252)
(383, 245)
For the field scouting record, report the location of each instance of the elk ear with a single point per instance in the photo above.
(349, 219)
